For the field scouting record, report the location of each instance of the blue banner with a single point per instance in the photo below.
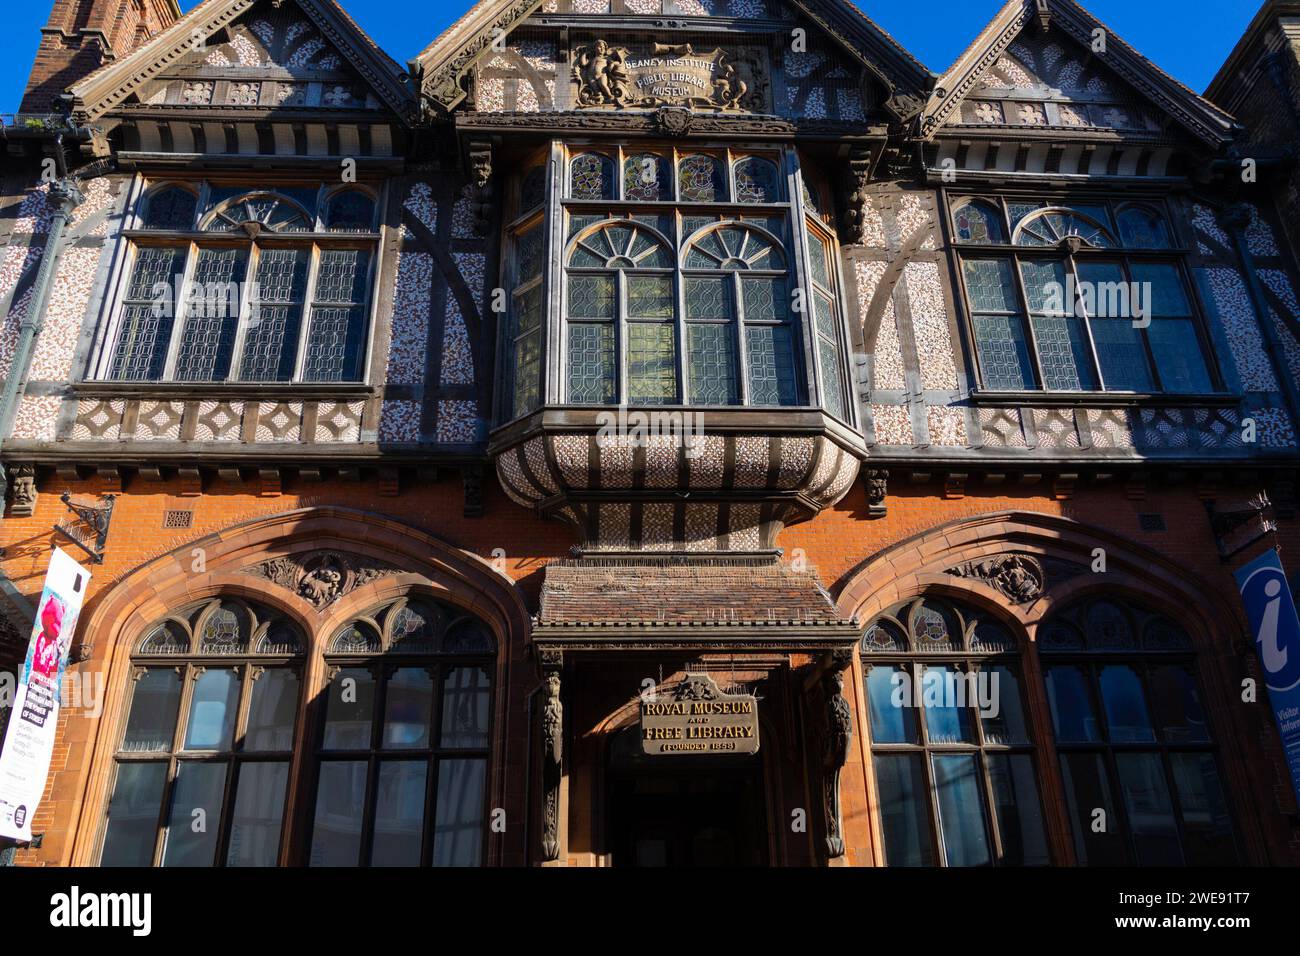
(1270, 607)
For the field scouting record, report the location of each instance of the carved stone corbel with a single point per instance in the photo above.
(472, 481)
(552, 744)
(856, 181)
(838, 734)
(877, 480)
(23, 479)
(480, 171)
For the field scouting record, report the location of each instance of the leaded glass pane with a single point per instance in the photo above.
(647, 177)
(651, 363)
(764, 298)
(832, 377)
(170, 208)
(225, 631)
(577, 222)
(341, 276)
(990, 285)
(1045, 286)
(701, 179)
(350, 211)
(529, 309)
(591, 176)
(712, 364)
(821, 272)
(591, 297)
(530, 248)
(1050, 228)
(772, 378)
(1063, 352)
(271, 338)
(211, 315)
(707, 298)
(1121, 353)
(591, 363)
(757, 181)
(935, 627)
(335, 345)
(146, 325)
(979, 223)
(692, 224)
(825, 315)
(1003, 352)
(417, 628)
(527, 356)
(650, 297)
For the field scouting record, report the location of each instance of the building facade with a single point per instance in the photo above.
(437, 435)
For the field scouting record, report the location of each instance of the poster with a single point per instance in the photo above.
(1270, 608)
(29, 740)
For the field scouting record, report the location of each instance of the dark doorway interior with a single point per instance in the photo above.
(684, 810)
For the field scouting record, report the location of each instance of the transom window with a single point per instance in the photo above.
(203, 766)
(1078, 298)
(950, 741)
(683, 281)
(401, 762)
(225, 283)
(1136, 753)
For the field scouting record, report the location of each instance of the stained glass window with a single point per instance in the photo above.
(170, 207)
(947, 733)
(757, 181)
(647, 177)
(591, 176)
(1093, 319)
(701, 179)
(350, 211)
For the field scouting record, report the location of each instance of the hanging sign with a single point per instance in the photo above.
(696, 717)
(29, 740)
(1270, 608)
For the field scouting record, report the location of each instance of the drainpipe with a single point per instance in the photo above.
(65, 195)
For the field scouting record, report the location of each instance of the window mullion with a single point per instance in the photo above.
(622, 338)
(308, 306)
(740, 336)
(1027, 322)
(180, 312)
(1072, 265)
(1157, 381)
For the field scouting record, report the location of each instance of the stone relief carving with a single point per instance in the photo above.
(672, 75)
(24, 491)
(552, 743)
(322, 577)
(1018, 577)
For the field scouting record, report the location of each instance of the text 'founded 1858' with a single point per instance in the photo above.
(698, 718)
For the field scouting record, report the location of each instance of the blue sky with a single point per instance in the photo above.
(1188, 38)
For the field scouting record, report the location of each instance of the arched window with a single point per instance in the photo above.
(951, 745)
(169, 207)
(591, 176)
(702, 179)
(350, 210)
(737, 296)
(401, 760)
(1132, 738)
(620, 286)
(209, 739)
(1065, 306)
(267, 295)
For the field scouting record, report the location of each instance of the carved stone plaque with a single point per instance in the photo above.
(669, 75)
(698, 718)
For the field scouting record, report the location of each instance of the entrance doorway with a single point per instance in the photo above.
(684, 810)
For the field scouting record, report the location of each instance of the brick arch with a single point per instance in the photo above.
(918, 564)
(118, 618)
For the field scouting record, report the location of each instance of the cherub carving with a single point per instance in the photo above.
(602, 75)
(321, 585)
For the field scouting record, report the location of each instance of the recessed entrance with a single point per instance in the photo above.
(684, 810)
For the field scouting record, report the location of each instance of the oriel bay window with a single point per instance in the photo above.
(1136, 752)
(230, 283)
(1080, 297)
(401, 768)
(203, 766)
(682, 276)
(950, 740)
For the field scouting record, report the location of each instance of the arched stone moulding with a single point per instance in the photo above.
(117, 619)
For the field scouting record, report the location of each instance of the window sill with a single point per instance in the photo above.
(1043, 399)
(262, 390)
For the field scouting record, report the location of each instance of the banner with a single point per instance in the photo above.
(1270, 607)
(29, 741)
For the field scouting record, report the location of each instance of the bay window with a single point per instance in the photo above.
(683, 277)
